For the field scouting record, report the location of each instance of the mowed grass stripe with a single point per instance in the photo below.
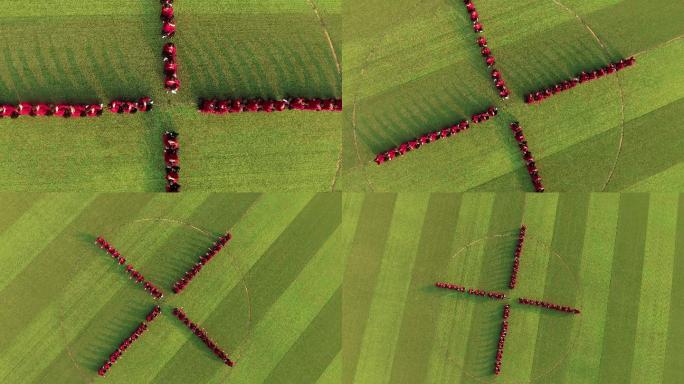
(315, 349)
(595, 272)
(13, 207)
(360, 278)
(540, 219)
(417, 332)
(623, 301)
(333, 373)
(380, 337)
(554, 331)
(675, 349)
(654, 304)
(507, 212)
(447, 354)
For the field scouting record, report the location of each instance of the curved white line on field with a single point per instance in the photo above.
(619, 84)
(327, 36)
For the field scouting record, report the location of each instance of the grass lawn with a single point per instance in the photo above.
(64, 51)
(616, 257)
(67, 305)
(417, 69)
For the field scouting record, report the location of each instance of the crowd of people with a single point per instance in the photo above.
(171, 81)
(516, 257)
(136, 276)
(116, 355)
(144, 104)
(502, 341)
(49, 109)
(202, 334)
(171, 161)
(486, 52)
(221, 107)
(431, 137)
(167, 18)
(584, 77)
(180, 285)
(531, 165)
(547, 305)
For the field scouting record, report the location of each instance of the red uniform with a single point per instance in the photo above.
(168, 29)
(25, 109)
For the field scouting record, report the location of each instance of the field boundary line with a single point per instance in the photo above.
(327, 36)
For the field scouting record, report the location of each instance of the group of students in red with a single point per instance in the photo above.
(502, 339)
(516, 257)
(171, 81)
(453, 287)
(584, 77)
(48, 109)
(167, 18)
(486, 52)
(431, 137)
(180, 285)
(221, 107)
(144, 104)
(544, 304)
(171, 161)
(530, 163)
(134, 274)
(471, 291)
(202, 334)
(114, 357)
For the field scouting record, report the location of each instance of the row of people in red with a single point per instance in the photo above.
(153, 314)
(167, 18)
(144, 104)
(530, 163)
(221, 107)
(507, 311)
(180, 285)
(500, 347)
(486, 52)
(114, 357)
(48, 109)
(450, 286)
(171, 81)
(492, 295)
(171, 161)
(544, 304)
(202, 334)
(516, 257)
(484, 116)
(584, 77)
(134, 274)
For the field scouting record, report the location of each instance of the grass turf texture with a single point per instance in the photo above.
(616, 257)
(417, 69)
(261, 298)
(64, 51)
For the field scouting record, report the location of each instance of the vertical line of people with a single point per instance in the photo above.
(502, 339)
(171, 81)
(532, 169)
(202, 334)
(168, 20)
(171, 161)
(516, 257)
(180, 285)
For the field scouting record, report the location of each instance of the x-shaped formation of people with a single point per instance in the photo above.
(157, 294)
(172, 85)
(501, 296)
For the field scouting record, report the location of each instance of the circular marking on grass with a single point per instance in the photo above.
(170, 300)
(516, 309)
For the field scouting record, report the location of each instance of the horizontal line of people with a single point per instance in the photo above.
(221, 107)
(49, 109)
(114, 357)
(530, 163)
(486, 52)
(171, 81)
(500, 347)
(202, 334)
(171, 161)
(584, 77)
(547, 305)
(180, 285)
(167, 18)
(453, 287)
(431, 137)
(516, 257)
(134, 274)
(471, 291)
(144, 104)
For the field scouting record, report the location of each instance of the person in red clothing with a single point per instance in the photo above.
(42, 109)
(63, 110)
(486, 51)
(478, 28)
(25, 109)
(490, 61)
(169, 52)
(145, 104)
(171, 157)
(167, 12)
(170, 68)
(93, 110)
(115, 106)
(172, 84)
(237, 106)
(482, 41)
(168, 29)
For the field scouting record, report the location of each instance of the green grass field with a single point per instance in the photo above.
(417, 69)
(66, 305)
(68, 51)
(616, 257)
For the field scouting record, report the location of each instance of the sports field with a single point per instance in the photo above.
(417, 69)
(68, 51)
(618, 258)
(271, 299)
